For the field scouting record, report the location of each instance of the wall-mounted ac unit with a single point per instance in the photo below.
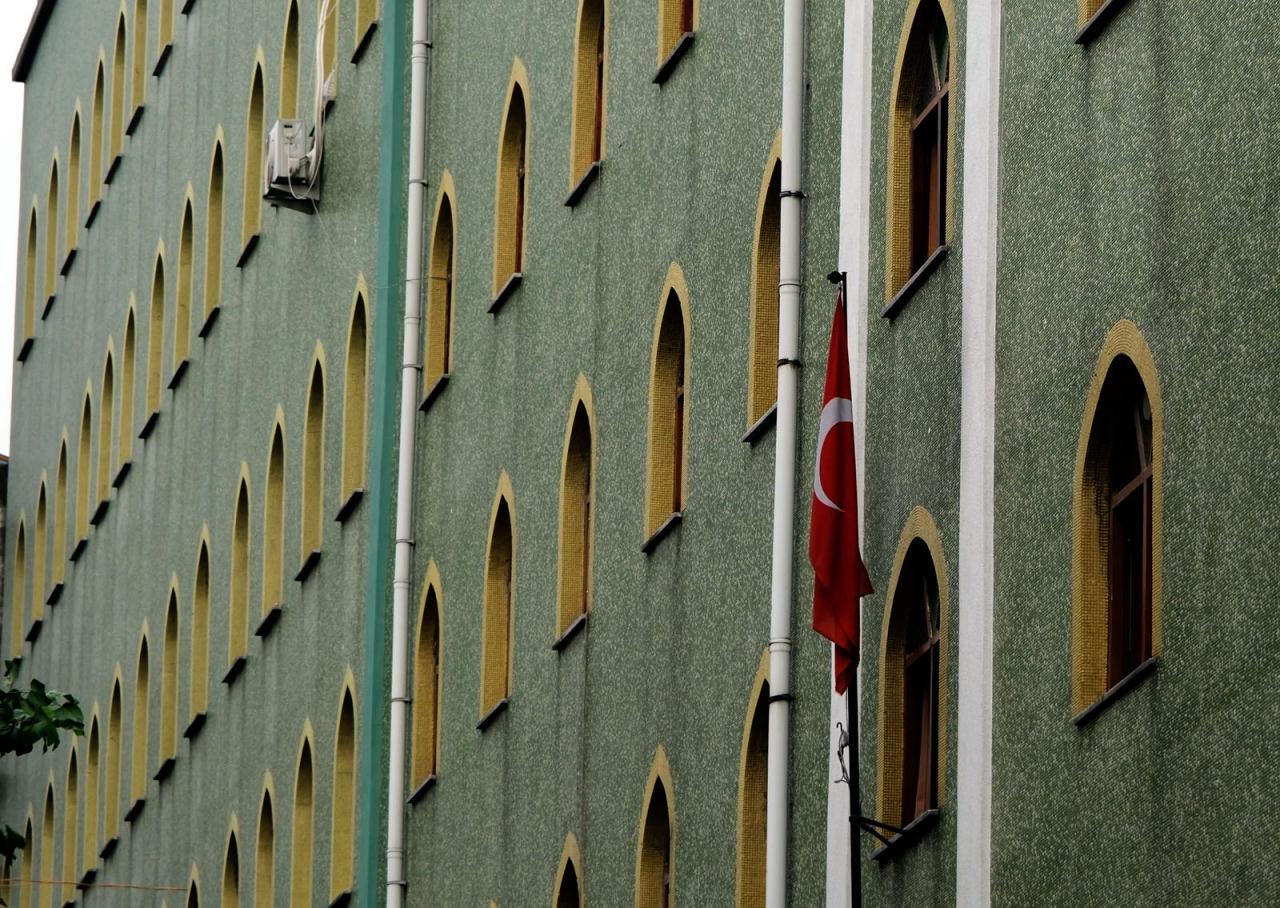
(289, 180)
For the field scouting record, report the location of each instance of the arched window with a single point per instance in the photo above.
(200, 639)
(264, 868)
(426, 685)
(668, 409)
(58, 554)
(355, 407)
(113, 764)
(919, 147)
(231, 873)
(48, 860)
(289, 65)
(366, 20)
(251, 223)
(105, 426)
(213, 240)
(577, 511)
(313, 469)
(327, 11)
(70, 827)
(762, 372)
(155, 342)
(128, 372)
(51, 236)
(677, 19)
(238, 592)
(169, 685)
(587, 133)
(38, 551)
(753, 777)
(342, 837)
(273, 524)
(18, 593)
(84, 472)
(568, 891)
(912, 676)
(97, 125)
(193, 895)
(182, 311)
(499, 605)
(1118, 524)
(512, 198)
(141, 25)
(73, 190)
(300, 861)
(117, 96)
(656, 848)
(29, 286)
(442, 274)
(91, 770)
(141, 730)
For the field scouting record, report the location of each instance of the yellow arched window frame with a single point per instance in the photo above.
(18, 590)
(84, 474)
(185, 289)
(753, 772)
(668, 449)
(366, 23)
(128, 379)
(656, 842)
(170, 672)
(58, 550)
(590, 94)
(238, 585)
(342, 832)
(92, 768)
(199, 703)
(113, 763)
(70, 824)
(39, 550)
(155, 342)
(251, 215)
(51, 236)
(27, 324)
(141, 729)
(762, 369)
(577, 512)
(73, 192)
(273, 528)
(213, 238)
(313, 450)
(118, 77)
(106, 426)
(231, 868)
(302, 858)
(98, 138)
(141, 25)
(569, 890)
(427, 675)
(442, 275)
(497, 654)
(355, 403)
(511, 203)
(264, 851)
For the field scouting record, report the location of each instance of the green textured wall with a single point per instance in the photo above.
(674, 638)
(912, 458)
(1138, 181)
(296, 289)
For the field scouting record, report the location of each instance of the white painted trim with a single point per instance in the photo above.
(980, 249)
(855, 226)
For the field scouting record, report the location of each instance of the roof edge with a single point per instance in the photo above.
(31, 43)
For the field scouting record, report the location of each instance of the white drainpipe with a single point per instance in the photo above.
(784, 480)
(410, 371)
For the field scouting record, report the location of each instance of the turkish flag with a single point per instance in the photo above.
(840, 577)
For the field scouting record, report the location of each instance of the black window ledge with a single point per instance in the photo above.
(33, 632)
(580, 188)
(667, 66)
(209, 321)
(506, 292)
(911, 833)
(349, 506)
(234, 670)
(68, 261)
(363, 44)
(268, 622)
(135, 119)
(247, 252)
(55, 594)
(178, 371)
(192, 731)
(162, 59)
(341, 900)
(1098, 21)
(25, 349)
(308, 566)
(100, 512)
(81, 544)
(69, 903)
(87, 878)
(492, 715)
(186, 6)
(421, 791)
(573, 630)
(109, 847)
(434, 392)
(915, 282)
(662, 532)
(166, 769)
(48, 305)
(121, 474)
(93, 213)
(135, 810)
(761, 426)
(1122, 687)
(113, 167)
(149, 426)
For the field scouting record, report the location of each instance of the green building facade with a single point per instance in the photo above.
(1050, 216)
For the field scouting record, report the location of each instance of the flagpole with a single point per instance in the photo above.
(855, 789)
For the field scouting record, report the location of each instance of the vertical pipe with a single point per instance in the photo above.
(784, 487)
(410, 369)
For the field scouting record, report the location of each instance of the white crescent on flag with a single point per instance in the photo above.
(838, 410)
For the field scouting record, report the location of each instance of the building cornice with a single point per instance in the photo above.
(31, 43)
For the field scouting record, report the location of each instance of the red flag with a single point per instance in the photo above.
(840, 579)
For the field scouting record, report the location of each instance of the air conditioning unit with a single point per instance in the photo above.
(288, 178)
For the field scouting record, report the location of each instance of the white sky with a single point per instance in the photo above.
(14, 18)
